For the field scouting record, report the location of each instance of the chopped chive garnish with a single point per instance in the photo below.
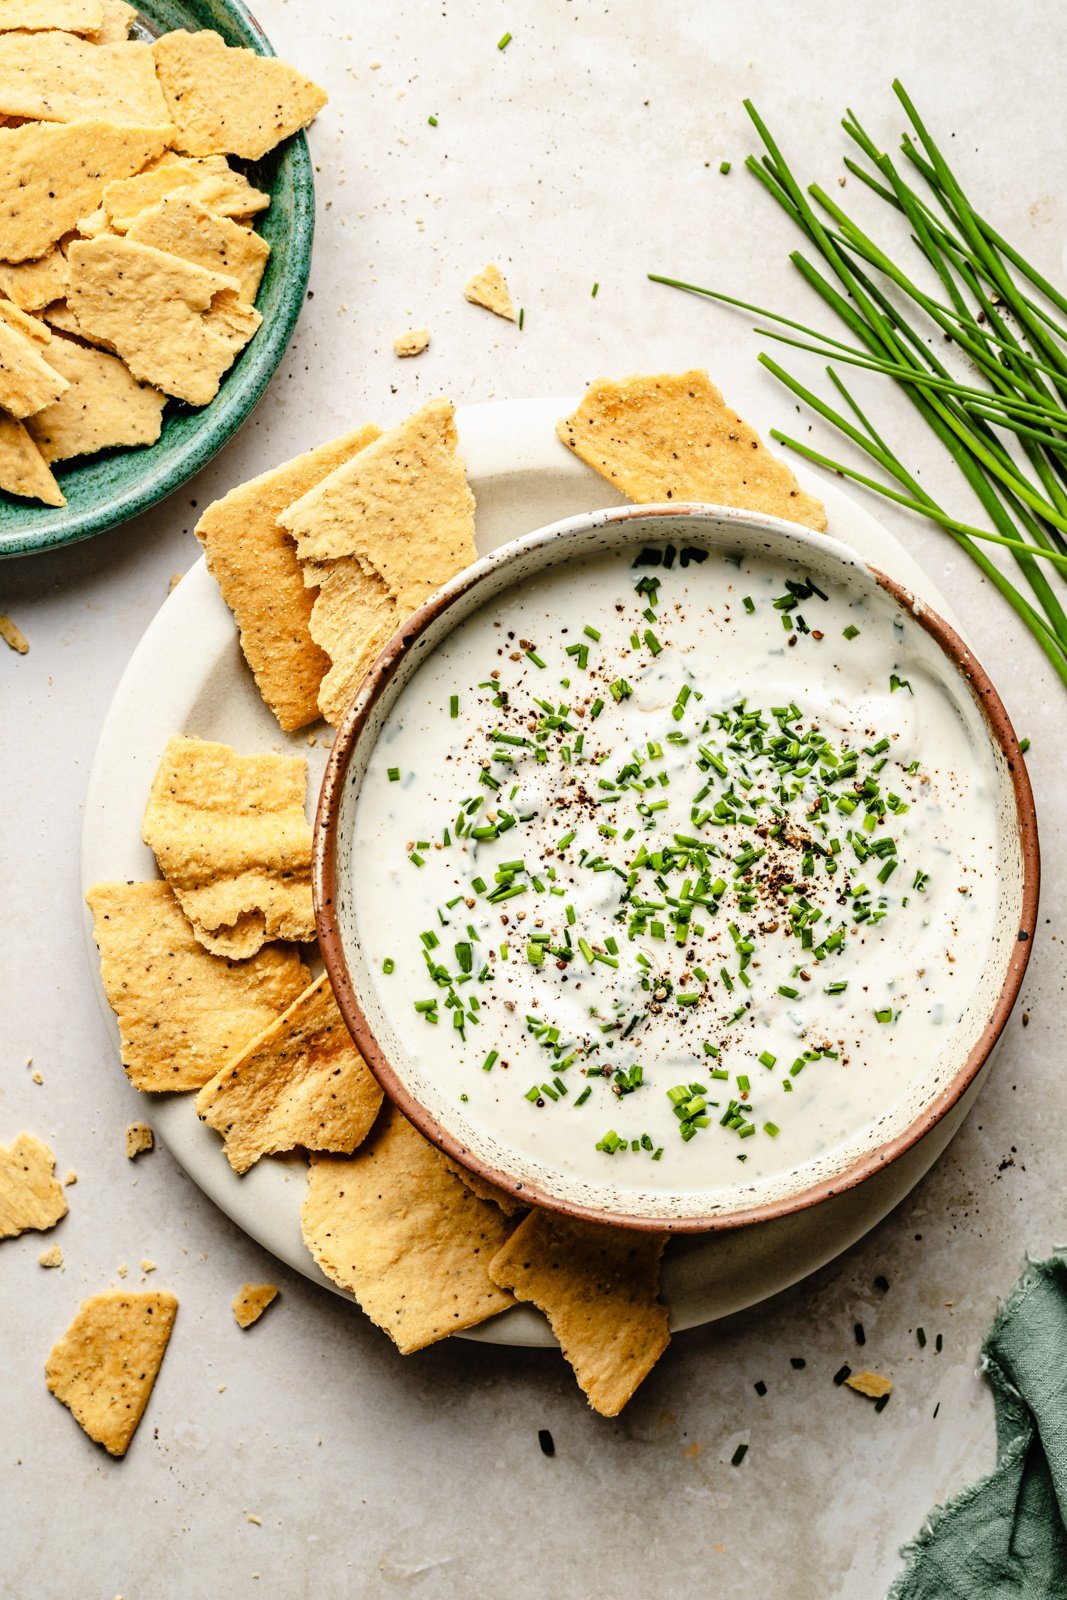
(724, 167)
(394, 774)
(388, 965)
(739, 1455)
(503, 42)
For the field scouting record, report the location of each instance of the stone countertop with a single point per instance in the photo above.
(587, 151)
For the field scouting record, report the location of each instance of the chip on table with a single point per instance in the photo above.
(105, 1366)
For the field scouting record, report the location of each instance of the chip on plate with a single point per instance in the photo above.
(250, 1302)
(231, 838)
(28, 382)
(73, 16)
(599, 1288)
(489, 289)
(23, 469)
(103, 407)
(253, 560)
(302, 1082)
(32, 285)
(213, 182)
(30, 1196)
(184, 227)
(353, 617)
(395, 1227)
(511, 1204)
(36, 210)
(672, 437)
(182, 1012)
(106, 1363)
(176, 326)
(402, 506)
(227, 101)
(58, 77)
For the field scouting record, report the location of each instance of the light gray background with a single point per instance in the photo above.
(588, 151)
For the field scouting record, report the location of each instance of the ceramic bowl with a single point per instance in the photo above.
(437, 1114)
(111, 486)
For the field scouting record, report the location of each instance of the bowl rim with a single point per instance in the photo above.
(325, 849)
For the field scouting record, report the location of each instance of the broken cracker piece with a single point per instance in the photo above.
(103, 407)
(139, 1138)
(28, 382)
(32, 285)
(870, 1383)
(53, 1257)
(302, 1082)
(212, 182)
(599, 1288)
(196, 327)
(36, 209)
(13, 636)
(404, 1235)
(58, 77)
(118, 19)
(104, 1367)
(32, 327)
(253, 561)
(231, 838)
(184, 227)
(25, 472)
(228, 101)
(672, 437)
(30, 1197)
(182, 1012)
(71, 16)
(488, 288)
(412, 343)
(353, 617)
(249, 1304)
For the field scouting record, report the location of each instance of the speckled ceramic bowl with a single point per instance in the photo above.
(110, 487)
(425, 1100)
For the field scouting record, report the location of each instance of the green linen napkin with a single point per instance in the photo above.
(1005, 1538)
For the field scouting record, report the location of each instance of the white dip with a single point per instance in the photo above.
(695, 874)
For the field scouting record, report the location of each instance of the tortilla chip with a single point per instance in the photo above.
(139, 1139)
(302, 1082)
(510, 1204)
(599, 1288)
(118, 19)
(253, 560)
(870, 1383)
(251, 1302)
(176, 326)
(188, 229)
(23, 469)
(13, 636)
(36, 209)
(213, 182)
(31, 327)
(103, 407)
(106, 1363)
(673, 437)
(52, 1257)
(412, 343)
(488, 288)
(32, 285)
(353, 617)
(61, 78)
(182, 1013)
(71, 16)
(27, 382)
(230, 836)
(30, 1197)
(402, 506)
(396, 1228)
(225, 101)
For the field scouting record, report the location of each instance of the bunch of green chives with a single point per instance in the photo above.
(1007, 429)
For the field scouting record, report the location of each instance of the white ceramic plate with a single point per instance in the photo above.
(188, 676)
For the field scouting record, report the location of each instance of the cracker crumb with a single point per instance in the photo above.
(37, 1077)
(258, 1521)
(251, 1301)
(139, 1138)
(50, 1258)
(122, 1270)
(871, 1384)
(488, 288)
(175, 579)
(412, 343)
(222, 1388)
(148, 1266)
(13, 636)
(70, 1179)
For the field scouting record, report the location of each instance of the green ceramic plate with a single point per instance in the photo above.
(107, 488)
